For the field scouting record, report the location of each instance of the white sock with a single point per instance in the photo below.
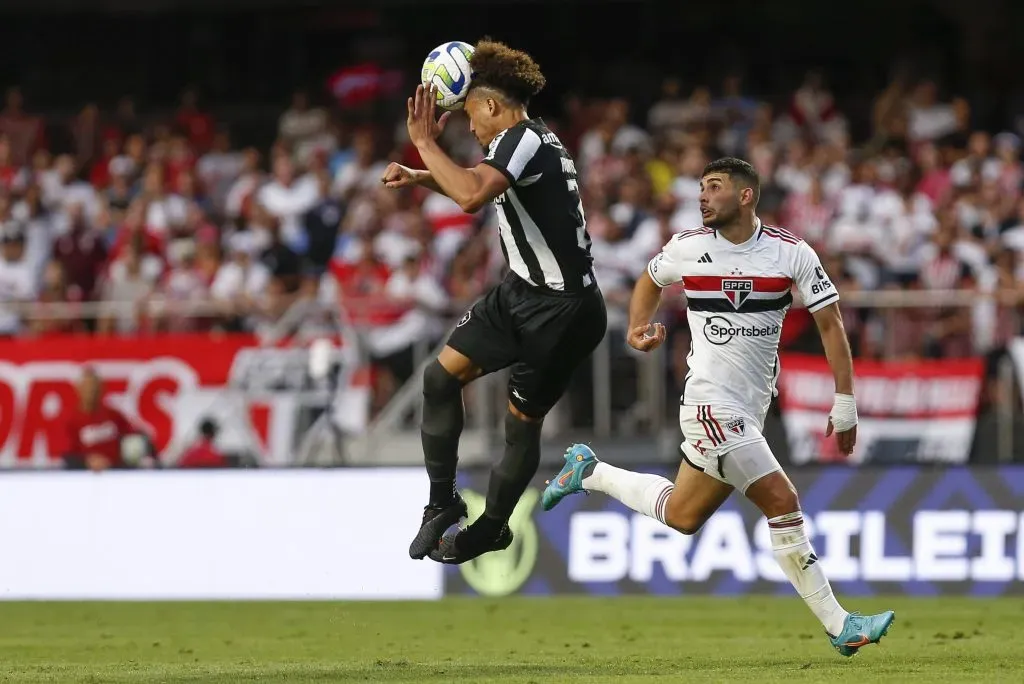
(794, 553)
(643, 492)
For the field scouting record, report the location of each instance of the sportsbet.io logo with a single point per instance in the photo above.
(503, 572)
(719, 330)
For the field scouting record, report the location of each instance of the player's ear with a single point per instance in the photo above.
(747, 196)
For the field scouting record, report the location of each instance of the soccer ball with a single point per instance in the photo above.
(447, 69)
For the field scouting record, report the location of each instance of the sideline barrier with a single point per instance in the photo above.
(250, 534)
(903, 530)
(308, 534)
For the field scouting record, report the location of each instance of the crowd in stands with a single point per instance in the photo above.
(132, 226)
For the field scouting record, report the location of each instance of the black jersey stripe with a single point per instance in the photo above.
(722, 305)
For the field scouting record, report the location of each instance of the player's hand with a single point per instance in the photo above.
(398, 176)
(845, 439)
(844, 413)
(421, 122)
(646, 337)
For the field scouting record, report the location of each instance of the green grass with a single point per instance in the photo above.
(513, 640)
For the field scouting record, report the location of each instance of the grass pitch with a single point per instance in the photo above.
(512, 640)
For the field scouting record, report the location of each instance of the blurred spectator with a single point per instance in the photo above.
(241, 279)
(87, 134)
(198, 125)
(242, 194)
(813, 112)
(13, 177)
(809, 213)
(131, 279)
(281, 261)
(19, 276)
(204, 453)
(218, 168)
(948, 332)
(165, 211)
(363, 171)
(94, 430)
(322, 223)
(53, 290)
(612, 135)
(928, 119)
(24, 132)
(302, 127)
(288, 198)
(126, 119)
(82, 253)
(420, 302)
(738, 114)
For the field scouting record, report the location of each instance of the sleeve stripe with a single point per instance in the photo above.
(526, 148)
(823, 302)
(650, 272)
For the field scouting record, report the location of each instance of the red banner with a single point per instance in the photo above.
(909, 411)
(162, 384)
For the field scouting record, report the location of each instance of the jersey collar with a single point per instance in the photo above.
(758, 231)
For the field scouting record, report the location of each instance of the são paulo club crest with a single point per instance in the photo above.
(737, 291)
(735, 426)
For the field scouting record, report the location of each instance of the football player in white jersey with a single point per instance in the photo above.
(738, 275)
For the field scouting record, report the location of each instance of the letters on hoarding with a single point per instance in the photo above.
(903, 529)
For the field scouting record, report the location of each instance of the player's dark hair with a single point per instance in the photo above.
(737, 170)
(511, 72)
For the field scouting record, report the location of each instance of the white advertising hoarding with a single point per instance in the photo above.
(251, 534)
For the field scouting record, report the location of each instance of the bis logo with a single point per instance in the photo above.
(503, 572)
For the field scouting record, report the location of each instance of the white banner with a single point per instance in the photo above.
(178, 535)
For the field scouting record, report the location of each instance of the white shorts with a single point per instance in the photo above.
(726, 445)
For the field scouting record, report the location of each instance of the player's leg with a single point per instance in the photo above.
(558, 334)
(684, 505)
(698, 492)
(478, 345)
(755, 471)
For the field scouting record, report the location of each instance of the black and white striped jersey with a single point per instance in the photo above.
(543, 228)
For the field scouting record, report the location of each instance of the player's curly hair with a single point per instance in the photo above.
(512, 72)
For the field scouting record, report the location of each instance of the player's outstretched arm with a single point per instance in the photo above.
(643, 305)
(843, 419)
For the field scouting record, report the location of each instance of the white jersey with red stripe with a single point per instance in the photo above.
(737, 297)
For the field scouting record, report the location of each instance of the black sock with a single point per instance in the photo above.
(511, 475)
(443, 419)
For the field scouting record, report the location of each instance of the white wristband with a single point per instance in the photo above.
(844, 412)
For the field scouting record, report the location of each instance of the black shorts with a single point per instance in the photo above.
(543, 336)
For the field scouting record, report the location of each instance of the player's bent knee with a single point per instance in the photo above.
(457, 365)
(438, 383)
(683, 524)
(774, 494)
(682, 520)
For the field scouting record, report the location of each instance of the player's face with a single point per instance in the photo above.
(483, 116)
(719, 200)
